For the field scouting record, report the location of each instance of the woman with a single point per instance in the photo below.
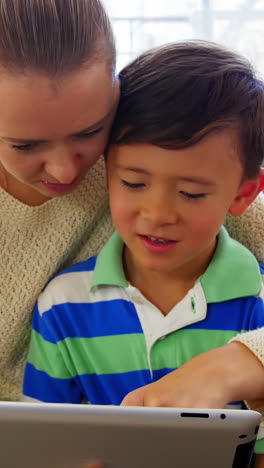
(58, 95)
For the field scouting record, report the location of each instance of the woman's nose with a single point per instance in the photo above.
(63, 167)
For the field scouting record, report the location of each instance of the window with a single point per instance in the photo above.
(142, 24)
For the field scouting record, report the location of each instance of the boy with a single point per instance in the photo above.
(186, 148)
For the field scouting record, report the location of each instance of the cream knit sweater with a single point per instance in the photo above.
(36, 242)
(248, 229)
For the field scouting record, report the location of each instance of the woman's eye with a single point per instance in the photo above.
(89, 134)
(193, 196)
(25, 147)
(132, 185)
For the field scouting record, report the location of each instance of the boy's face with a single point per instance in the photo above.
(168, 205)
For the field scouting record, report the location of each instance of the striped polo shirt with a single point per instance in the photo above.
(95, 337)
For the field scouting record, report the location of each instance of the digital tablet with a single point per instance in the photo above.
(45, 435)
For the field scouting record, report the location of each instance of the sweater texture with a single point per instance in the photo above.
(37, 242)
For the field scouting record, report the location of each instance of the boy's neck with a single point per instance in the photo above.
(164, 290)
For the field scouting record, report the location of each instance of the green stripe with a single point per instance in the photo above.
(121, 353)
(46, 356)
(179, 347)
(77, 356)
(259, 446)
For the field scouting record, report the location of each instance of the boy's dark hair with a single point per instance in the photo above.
(54, 37)
(174, 95)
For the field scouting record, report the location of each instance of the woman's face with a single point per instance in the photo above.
(52, 132)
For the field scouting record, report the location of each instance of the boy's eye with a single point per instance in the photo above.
(131, 185)
(193, 195)
(25, 147)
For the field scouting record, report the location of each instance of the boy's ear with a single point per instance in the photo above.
(247, 194)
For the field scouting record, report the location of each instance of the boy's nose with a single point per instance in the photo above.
(160, 213)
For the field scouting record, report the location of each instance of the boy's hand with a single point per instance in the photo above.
(210, 380)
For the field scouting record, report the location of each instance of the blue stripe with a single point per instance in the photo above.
(97, 389)
(117, 317)
(86, 265)
(110, 389)
(50, 390)
(158, 374)
(239, 404)
(235, 315)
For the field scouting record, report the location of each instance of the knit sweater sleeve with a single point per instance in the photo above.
(248, 230)
(254, 340)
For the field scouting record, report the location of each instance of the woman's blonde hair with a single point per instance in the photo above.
(54, 36)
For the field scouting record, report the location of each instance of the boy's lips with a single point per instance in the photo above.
(157, 244)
